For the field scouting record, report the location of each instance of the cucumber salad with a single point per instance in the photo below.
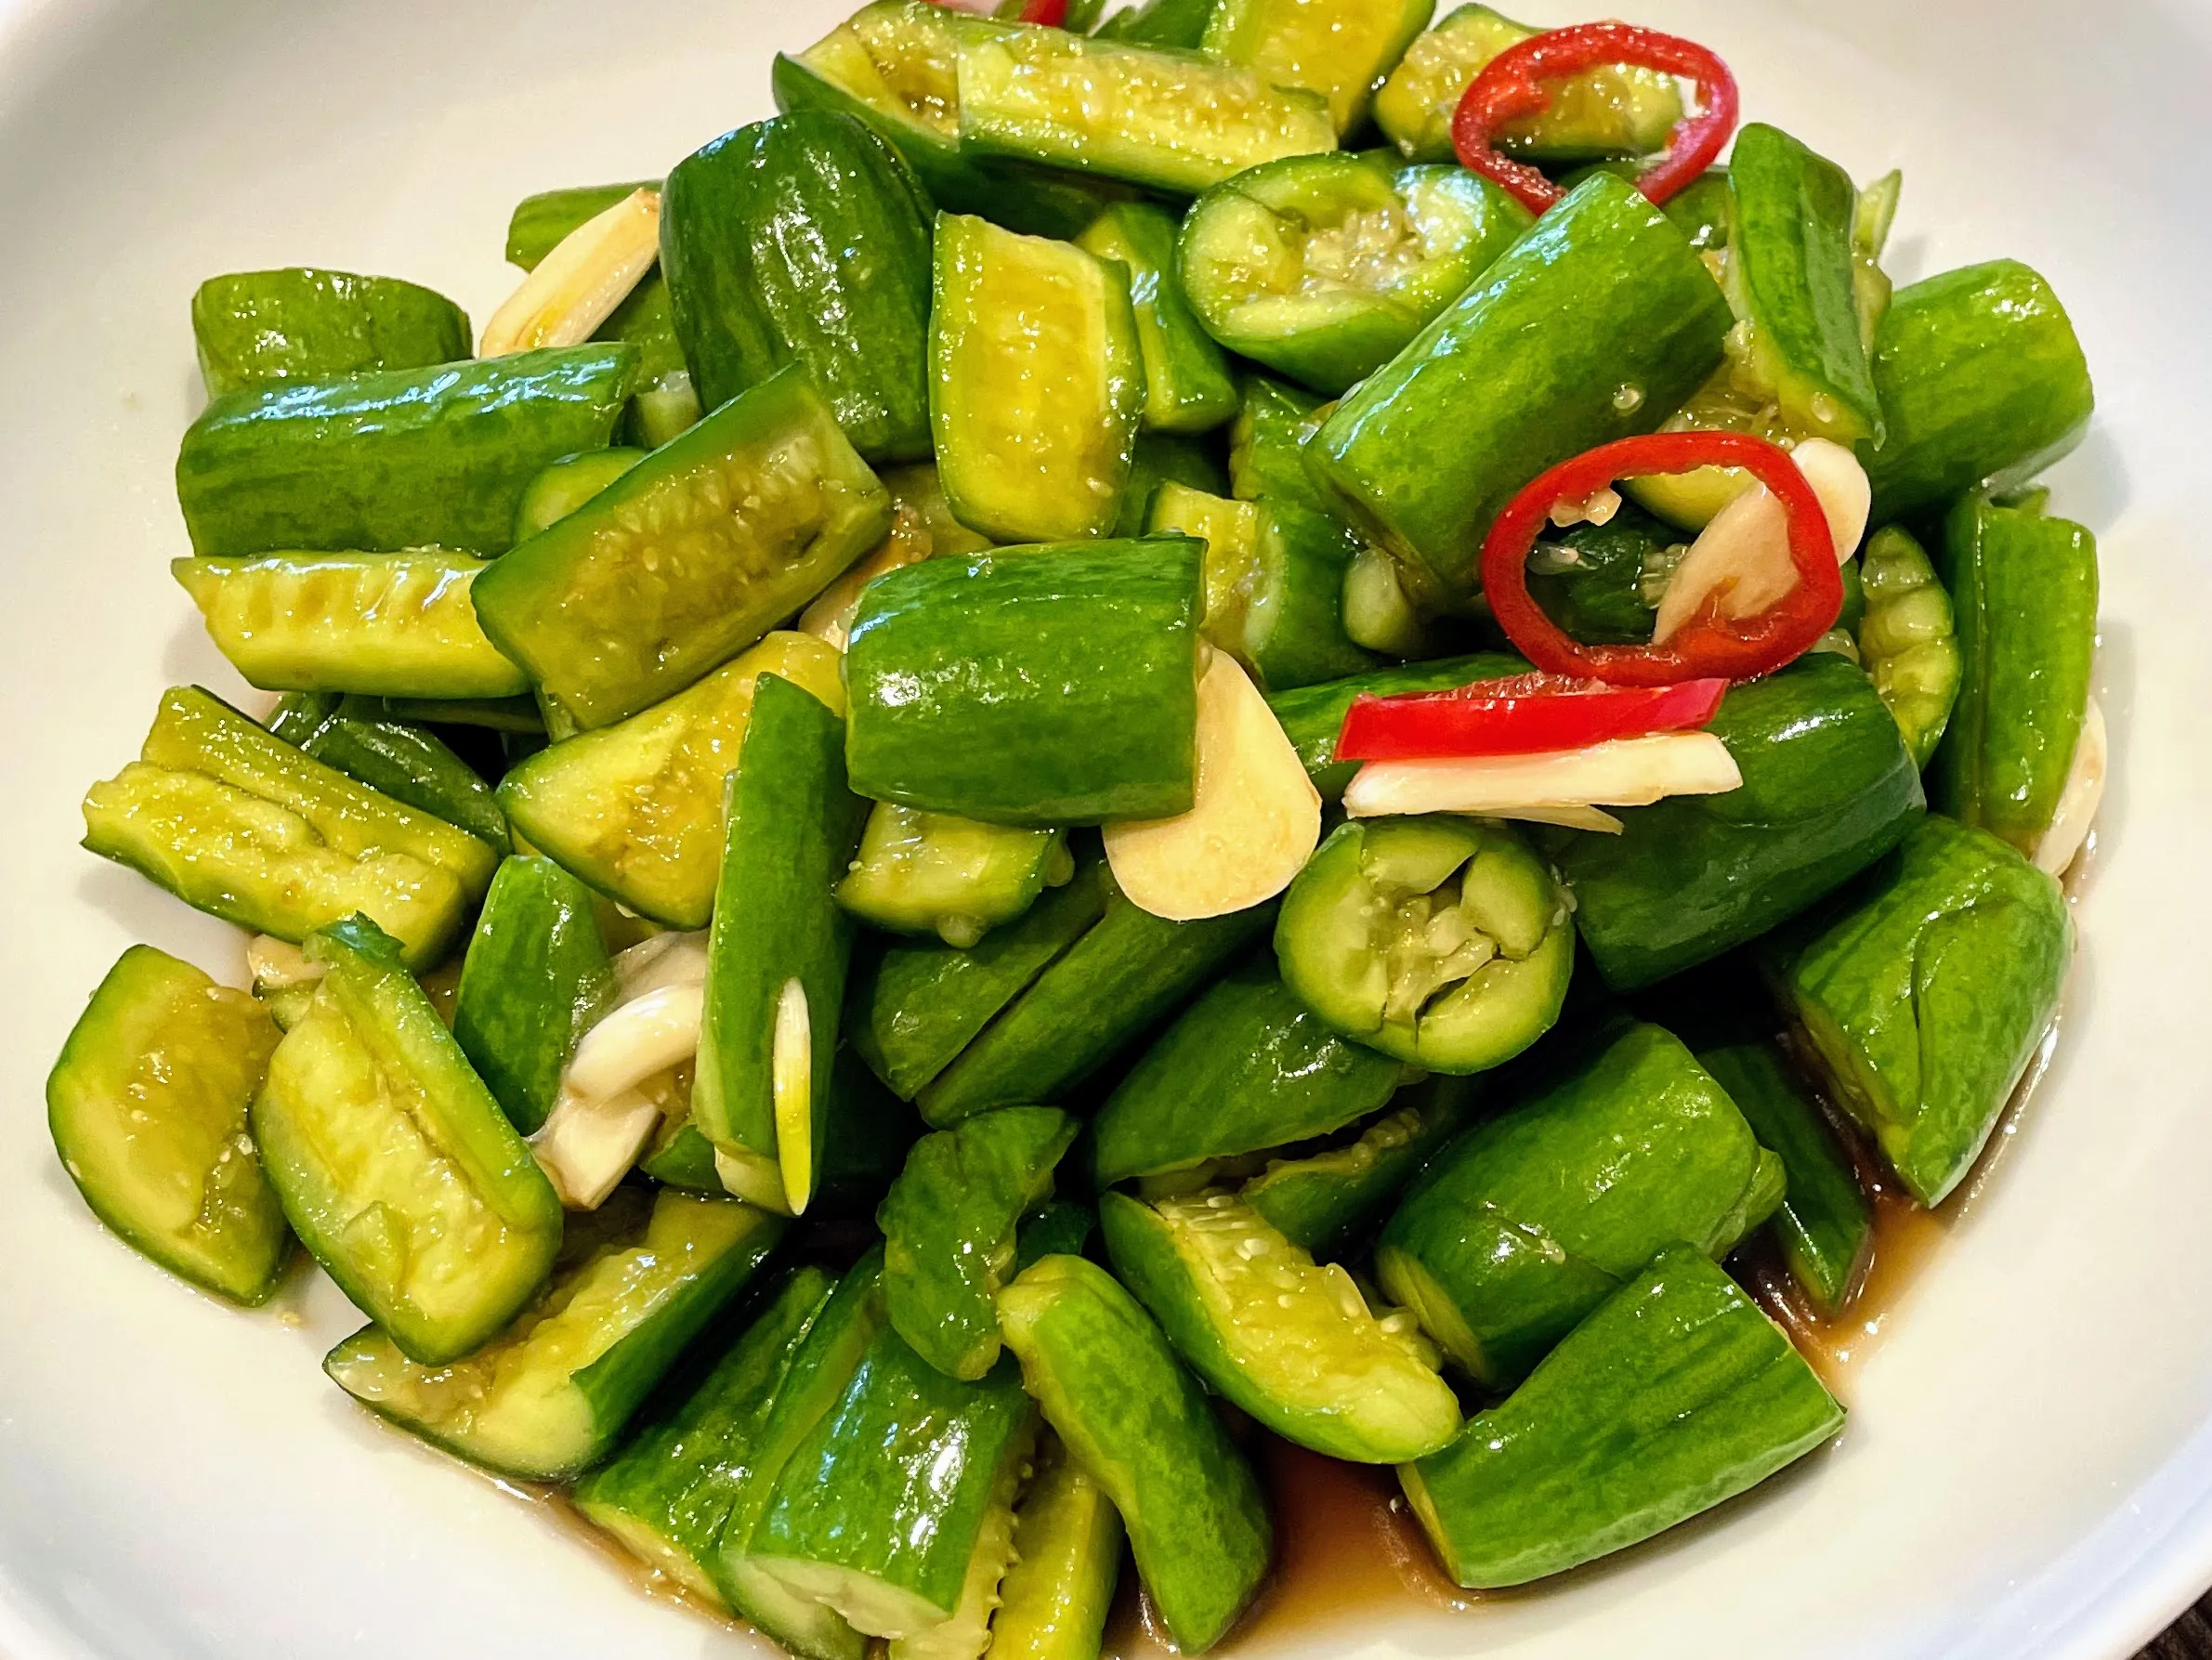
(1248, 722)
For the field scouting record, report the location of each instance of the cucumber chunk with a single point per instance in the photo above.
(1321, 1202)
(1338, 48)
(1526, 1223)
(254, 328)
(1036, 383)
(690, 557)
(668, 1493)
(395, 1165)
(1187, 385)
(1247, 1066)
(1166, 121)
(411, 766)
(395, 625)
(1066, 1559)
(241, 825)
(634, 810)
(567, 484)
(1907, 638)
(148, 1104)
(1041, 687)
(1113, 1391)
(948, 1230)
(1058, 1228)
(1291, 1342)
(938, 873)
(1676, 1394)
(548, 1398)
(396, 458)
(1325, 267)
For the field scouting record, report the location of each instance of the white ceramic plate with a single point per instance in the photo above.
(2028, 1470)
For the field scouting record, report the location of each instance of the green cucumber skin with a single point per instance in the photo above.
(791, 826)
(1188, 389)
(806, 239)
(572, 605)
(678, 1474)
(1926, 993)
(1164, 458)
(1041, 687)
(396, 458)
(1247, 1067)
(1528, 1222)
(1113, 1390)
(874, 1128)
(1676, 1394)
(132, 1054)
(1324, 1202)
(1267, 448)
(1524, 371)
(1312, 716)
(197, 734)
(254, 328)
(897, 1480)
(541, 223)
(948, 1227)
(1298, 638)
(1790, 260)
(1176, 25)
(537, 976)
(1983, 385)
(916, 1007)
(1059, 1228)
(517, 717)
(1107, 988)
(1600, 599)
(395, 1027)
(1068, 1541)
(2024, 591)
(1828, 787)
(567, 484)
(411, 766)
(1826, 1225)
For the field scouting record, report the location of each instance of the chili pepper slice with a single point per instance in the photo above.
(1510, 87)
(1052, 13)
(1528, 714)
(1709, 645)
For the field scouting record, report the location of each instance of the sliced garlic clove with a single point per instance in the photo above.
(790, 1071)
(275, 963)
(831, 616)
(1254, 820)
(576, 287)
(587, 1145)
(665, 959)
(1846, 495)
(1567, 816)
(2070, 826)
(1629, 771)
(648, 1035)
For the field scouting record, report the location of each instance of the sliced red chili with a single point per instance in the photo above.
(1528, 714)
(1052, 13)
(1511, 88)
(1708, 645)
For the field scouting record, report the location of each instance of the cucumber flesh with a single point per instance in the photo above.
(938, 873)
(1322, 1201)
(411, 765)
(1337, 48)
(567, 484)
(1066, 1559)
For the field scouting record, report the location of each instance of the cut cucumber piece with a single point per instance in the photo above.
(148, 1109)
(1113, 1391)
(1291, 1342)
(938, 873)
(1036, 383)
(254, 328)
(948, 1230)
(636, 810)
(395, 625)
(1323, 1201)
(1058, 1228)
(397, 458)
(241, 825)
(1067, 1559)
(411, 766)
(547, 1399)
(395, 1165)
(667, 1494)
(1338, 48)
(690, 557)
(1165, 121)
(1187, 384)
(567, 484)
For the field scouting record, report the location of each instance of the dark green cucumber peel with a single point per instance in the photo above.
(256, 328)
(565, 485)
(1058, 1228)
(147, 1104)
(1068, 1541)
(1112, 1390)
(668, 1490)
(1322, 1201)
(411, 765)
(1041, 687)
(847, 297)
(1246, 1067)
(537, 976)
(397, 458)
(1187, 384)
(1926, 992)
(1526, 1223)
(948, 1227)
(551, 1396)
(1828, 787)
(1675, 1394)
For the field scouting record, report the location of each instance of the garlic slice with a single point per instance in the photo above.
(831, 616)
(275, 963)
(586, 1146)
(648, 1035)
(665, 959)
(2061, 843)
(790, 1073)
(576, 287)
(1629, 771)
(1743, 555)
(1254, 820)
